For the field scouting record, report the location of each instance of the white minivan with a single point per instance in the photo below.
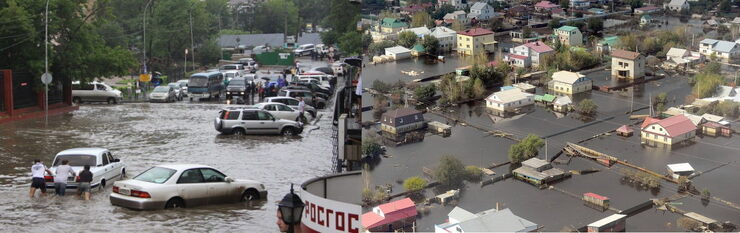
(304, 49)
(95, 92)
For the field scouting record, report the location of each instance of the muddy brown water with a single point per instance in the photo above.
(143, 135)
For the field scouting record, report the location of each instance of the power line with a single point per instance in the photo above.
(17, 43)
(14, 36)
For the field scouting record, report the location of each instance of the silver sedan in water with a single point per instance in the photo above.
(163, 94)
(183, 185)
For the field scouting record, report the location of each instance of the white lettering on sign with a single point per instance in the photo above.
(283, 55)
(324, 215)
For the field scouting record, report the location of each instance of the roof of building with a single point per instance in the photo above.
(677, 3)
(607, 220)
(401, 112)
(568, 28)
(461, 214)
(610, 40)
(546, 5)
(672, 111)
(708, 41)
(454, 14)
(648, 121)
(629, 55)
(538, 46)
(524, 86)
(392, 23)
(712, 117)
(680, 167)
(419, 31)
(418, 48)
(677, 52)
(567, 76)
(646, 17)
(393, 212)
(476, 32)
(478, 6)
(700, 218)
(713, 124)
(535, 163)
(625, 129)
(497, 221)
(511, 95)
(694, 118)
(441, 31)
(724, 46)
(736, 20)
(563, 100)
(545, 97)
(597, 196)
(397, 49)
(676, 125)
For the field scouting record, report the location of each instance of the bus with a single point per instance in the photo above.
(206, 85)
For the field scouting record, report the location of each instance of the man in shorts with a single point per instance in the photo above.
(37, 180)
(60, 179)
(83, 186)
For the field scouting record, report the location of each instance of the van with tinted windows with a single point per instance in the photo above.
(206, 85)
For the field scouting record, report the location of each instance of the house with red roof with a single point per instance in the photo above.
(668, 131)
(389, 217)
(528, 54)
(545, 6)
(415, 8)
(474, 41)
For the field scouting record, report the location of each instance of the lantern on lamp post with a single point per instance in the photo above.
(291, 209)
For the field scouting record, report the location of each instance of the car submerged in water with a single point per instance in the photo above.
(250, 120)
(183, 185)
(104, 167)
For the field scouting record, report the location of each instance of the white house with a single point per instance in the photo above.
(447, 37)
(508, 100)
(420, 32)
(580, 4)
(681, 58)
(667, 131)
(569, 35)
(567, 82)
(461, 221)
(481, 11)
(532, 52)
(398, 52)
(720, 48)
(458, 4)
(459, 16)
(677, 5)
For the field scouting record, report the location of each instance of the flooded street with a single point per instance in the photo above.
(143, 135)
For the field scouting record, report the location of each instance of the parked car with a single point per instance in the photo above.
(231, 74)
(163, 94)
(292, 103)
(314, 86)
(307, 95)
(235, 66)
(178, 90)
(279, 110)
(104, 167)
(238, 87)
(95, 92)
(338, 68)
(183, 87)
(304, 49)
(183, 185)
(242, 121)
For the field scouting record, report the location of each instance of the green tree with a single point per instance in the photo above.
(442, 11)
(527, 32)
(660, 101)
(450, 171)
(209, 53)
(424, 92)
(329, 37)
(635, 4)
(705, 194)
(525, 149)
(724, 6)
(595, 25)
(729, 109)
(496, 24)
(351, 43)
(554, 23)
(431, 45)
(473, 173)
(479, 89)
(367, 39)
(421, 19)
(343, 16)
(273, 15)
(587, 107)
(414, 184)
(565, 4)
(706, 84)
(379, 47)
(370, 147)
(407, 39)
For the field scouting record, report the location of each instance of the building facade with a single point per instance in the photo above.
(401, 120)
(669, 131)
(474, 41)
(627, 64)
(508, 100)
(569, 35)
(447, 38)
(566, 82)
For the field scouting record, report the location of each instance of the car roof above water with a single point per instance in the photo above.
(84, 151)
(180, 167)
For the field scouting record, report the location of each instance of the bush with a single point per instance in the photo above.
(414, 184)
(381, 86)
(407, 39)
(587, 107)
(379, 48)
(687, 223)
(450, 171)
(425, 92)
(705, 194)
(473, 172)
(526, 149)
(370, 147)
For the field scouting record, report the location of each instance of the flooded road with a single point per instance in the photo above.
(143, 135)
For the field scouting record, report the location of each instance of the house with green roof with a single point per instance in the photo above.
(417, 50)
(605, 45)
(645, 20)
(392, 25)
(569, 35)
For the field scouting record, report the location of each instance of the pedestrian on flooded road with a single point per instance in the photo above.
(37, 177)
(60, 179)
(83, 187)
(301, 108)
(261, 91)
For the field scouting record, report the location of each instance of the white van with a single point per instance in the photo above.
(321, 77)
(304, 49)
(95, 92)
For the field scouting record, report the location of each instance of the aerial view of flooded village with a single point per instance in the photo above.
(577, 115)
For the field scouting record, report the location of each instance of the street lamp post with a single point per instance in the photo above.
(46, 64)
(291, 209)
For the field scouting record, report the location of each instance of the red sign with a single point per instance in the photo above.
(324, 215)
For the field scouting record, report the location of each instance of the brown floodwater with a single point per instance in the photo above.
(143, 135)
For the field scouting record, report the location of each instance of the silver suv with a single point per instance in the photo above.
(292, 103)
(243, 121)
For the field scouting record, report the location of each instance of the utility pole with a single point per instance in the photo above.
(192, 44)
(46, 63)
(144, 34)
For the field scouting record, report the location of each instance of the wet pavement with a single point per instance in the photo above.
(546, 207)
(143, 135)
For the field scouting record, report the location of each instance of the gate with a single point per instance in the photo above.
(23, 94)
(56, 92)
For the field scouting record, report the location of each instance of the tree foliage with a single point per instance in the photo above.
(343, 16)
(421, 19)
(442, 11)
(414, 184)
(351, 43)
(567, 59)
(371, 147)
(473, 173)
(275, 15)
(707, 81)
(587, 107)
(379, 47)
(425, 92)
(431, 45)
(407, 39)
(526, 149)
(450, 172)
